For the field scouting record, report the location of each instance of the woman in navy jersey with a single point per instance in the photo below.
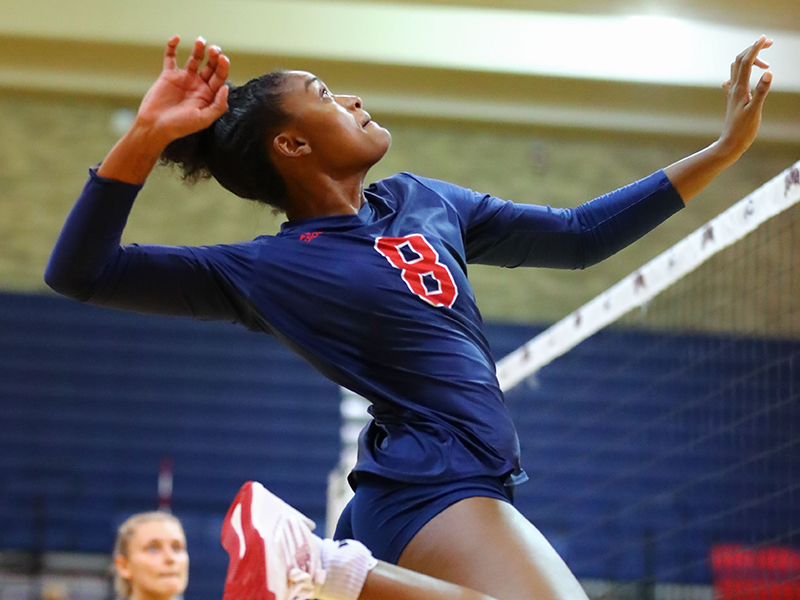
(369, 285)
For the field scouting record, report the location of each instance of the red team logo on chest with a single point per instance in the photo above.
(420, 268)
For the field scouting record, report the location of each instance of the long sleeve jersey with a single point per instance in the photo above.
(378, 301)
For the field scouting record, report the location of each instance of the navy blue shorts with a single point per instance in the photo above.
(385, 515)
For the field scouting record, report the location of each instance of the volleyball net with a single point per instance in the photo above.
(660, 422)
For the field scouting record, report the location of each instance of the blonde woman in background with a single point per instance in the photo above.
(150, 558)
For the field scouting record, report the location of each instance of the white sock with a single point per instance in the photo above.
(346, 564)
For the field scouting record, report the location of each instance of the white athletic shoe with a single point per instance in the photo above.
(273, 554)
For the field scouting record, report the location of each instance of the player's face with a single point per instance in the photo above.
(157, 563)
(336, 127)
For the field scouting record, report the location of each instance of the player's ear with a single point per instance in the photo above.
(121, 566)
(290, 145)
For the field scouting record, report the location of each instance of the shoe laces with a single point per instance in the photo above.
(305, 576)
(302, 586)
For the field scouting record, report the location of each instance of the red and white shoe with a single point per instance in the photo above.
(273, 554)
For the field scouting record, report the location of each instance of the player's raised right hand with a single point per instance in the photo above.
(183, 101)
(180, 102)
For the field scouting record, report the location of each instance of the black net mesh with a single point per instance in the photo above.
(664, 451)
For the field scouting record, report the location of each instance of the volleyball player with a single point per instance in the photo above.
(150, 558)
(369, 285)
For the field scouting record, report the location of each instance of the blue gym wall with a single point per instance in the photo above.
(92, 399)
(645, 450)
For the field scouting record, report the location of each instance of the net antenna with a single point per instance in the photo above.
(641, 286)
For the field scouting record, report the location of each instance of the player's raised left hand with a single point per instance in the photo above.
(743, 115)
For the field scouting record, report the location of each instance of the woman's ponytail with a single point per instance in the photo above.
(233, 149)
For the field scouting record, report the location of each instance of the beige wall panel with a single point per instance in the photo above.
(49, 142)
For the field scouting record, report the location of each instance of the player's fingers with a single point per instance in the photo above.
(741, 68)
(762, 89)
(748, 59)
(217, 108)
(211, 65)
(198, 52)
(726, 86)
(736, 64)
(220, 73)
(170, 52)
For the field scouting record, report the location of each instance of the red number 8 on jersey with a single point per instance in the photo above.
(423, 265)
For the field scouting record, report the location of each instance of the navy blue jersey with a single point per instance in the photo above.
(378, 301)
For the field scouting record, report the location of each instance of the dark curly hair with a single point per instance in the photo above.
(233, 150)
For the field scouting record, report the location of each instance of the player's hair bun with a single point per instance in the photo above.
(188, 154)
(233, 149)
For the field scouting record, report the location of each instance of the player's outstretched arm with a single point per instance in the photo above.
(180, 102)
(742, 120)
(88, 263)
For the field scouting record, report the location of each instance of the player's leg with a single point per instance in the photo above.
(485, 544)
(274, 555)
(389, 582)
(465, 531)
